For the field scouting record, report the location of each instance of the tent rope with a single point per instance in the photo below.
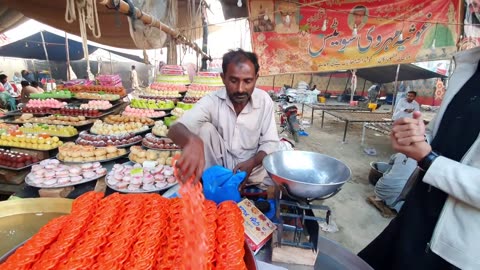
(70, 15)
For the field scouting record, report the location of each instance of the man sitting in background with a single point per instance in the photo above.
(27, 89)
(391, 184)
(36, 86)
(406, 106)
(7, 94)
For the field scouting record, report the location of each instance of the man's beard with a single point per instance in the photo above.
(240, 98)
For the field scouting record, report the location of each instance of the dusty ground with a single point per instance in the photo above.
(357, 221)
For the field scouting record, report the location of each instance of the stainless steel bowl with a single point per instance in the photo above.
(307, 175)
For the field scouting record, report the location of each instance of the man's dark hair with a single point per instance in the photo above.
(360, 8)
(239, 56)
(3, 77)
(24, 83)
(412, 92)
(133, 67)
(34, 84)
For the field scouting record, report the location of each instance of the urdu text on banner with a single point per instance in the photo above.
(308, 36)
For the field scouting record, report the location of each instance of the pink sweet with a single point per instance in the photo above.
(149, 187)
(133, 187)
(171, 179)
(89, 175)
(63, 180)
(112, 181)
(122, 185)
(118, 176)
(75, 171)
(161, 184)
(127, 179)
(136, 180)
(101, 171)
(76, 178)
(148, 180)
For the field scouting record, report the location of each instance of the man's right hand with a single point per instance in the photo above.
(192, 161)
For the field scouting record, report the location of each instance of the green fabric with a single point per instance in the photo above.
(442, 35)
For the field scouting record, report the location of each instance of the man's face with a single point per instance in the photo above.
(358, 17)
(239, 81)
(476, 6)
(4, 80)
(410, 97)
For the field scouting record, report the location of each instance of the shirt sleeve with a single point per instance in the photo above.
(194, 118)
(9, 88)
(269, 140)
(456, 179)
(417, 107)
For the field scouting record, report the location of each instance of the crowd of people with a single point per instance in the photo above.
(18, 89)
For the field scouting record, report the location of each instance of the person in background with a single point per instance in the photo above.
(27, 89)
(36, 86)
(27, 76)
(7, 86)
(314, 87)
(134, 79)
(17, 77)
(437, 227)
(373, 92)
(233, 127)
(406, 106)
(7, 94)
(391, 184)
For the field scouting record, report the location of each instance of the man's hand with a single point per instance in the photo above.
(246, 166)
(192, 161)
(407, 131)
(415, 151)
(408, 137)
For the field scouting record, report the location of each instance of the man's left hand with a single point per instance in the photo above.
(246, 166)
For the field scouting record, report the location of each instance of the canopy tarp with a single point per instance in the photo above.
(386, 74)
(114, 26)
(31, 47)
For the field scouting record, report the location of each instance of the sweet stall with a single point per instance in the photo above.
(84, 137)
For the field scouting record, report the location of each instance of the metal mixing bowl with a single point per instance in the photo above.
(307, 175)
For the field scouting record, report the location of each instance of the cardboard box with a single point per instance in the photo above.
(258, 228)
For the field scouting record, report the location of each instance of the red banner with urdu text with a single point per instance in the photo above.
(309, 36)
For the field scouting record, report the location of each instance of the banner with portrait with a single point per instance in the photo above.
(471, 26)
(308, 36)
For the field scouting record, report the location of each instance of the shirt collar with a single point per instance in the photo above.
(254, 99)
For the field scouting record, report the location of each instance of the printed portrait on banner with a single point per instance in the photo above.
(264, 19)
(358, 17)
(286, 17)
(471, 25)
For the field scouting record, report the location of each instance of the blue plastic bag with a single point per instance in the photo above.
(221, 184)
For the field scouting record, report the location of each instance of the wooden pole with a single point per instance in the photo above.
(328, 83)
(68, 57)
(354, 84)
(151, 21)
(205, 35)
(395, 88)
(46, 53)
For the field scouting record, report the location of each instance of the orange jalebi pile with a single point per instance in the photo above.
(230, 237)
(138, 231)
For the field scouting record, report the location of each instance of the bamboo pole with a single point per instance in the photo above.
(395, 88)
(151, 21)
(68, 57)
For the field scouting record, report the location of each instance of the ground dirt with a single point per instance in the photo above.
(358, 222)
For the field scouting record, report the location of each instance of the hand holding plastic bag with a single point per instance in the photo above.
(221, 184)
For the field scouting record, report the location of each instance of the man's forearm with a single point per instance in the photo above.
(180, 134)
(258, 158)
